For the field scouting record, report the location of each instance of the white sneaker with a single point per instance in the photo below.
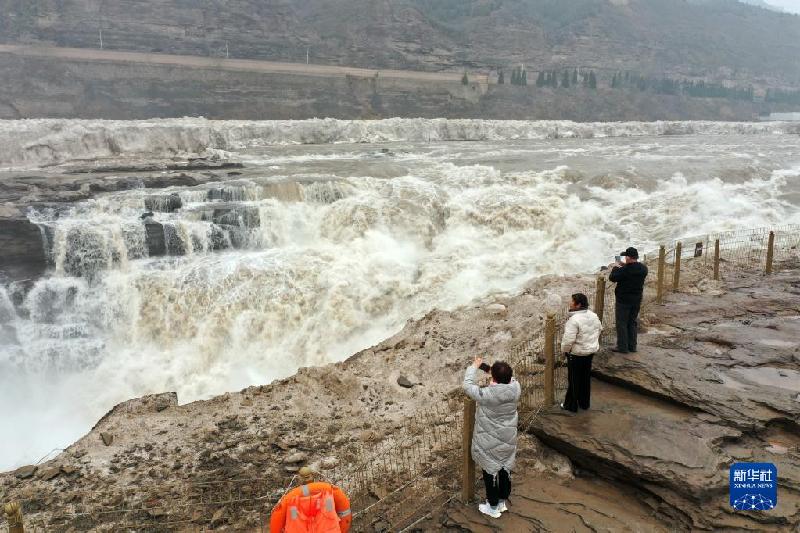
(502, 506)
(488, 510)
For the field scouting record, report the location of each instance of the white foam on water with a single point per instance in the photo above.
(35, 143)
(322, 268)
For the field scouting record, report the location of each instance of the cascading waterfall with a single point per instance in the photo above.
(317, 252)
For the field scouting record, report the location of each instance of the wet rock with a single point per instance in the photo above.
(25, 472)
(242, 216)
(87, 253)
(146, 215)
(154, 235)
(163, 203)
(404, 382)
(173, 240)
(22, 244)
(68, 470)
(107, 438)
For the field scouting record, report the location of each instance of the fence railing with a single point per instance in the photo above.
(415, 467)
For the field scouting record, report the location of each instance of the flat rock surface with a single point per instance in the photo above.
(742, 366)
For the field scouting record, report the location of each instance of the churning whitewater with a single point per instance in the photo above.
(329, 238)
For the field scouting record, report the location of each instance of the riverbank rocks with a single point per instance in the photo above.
(49, 473)
(498, 310)
(25, 472)
(295, 458)
(404, 382)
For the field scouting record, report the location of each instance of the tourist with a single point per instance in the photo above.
(629, 275)
(313, 506)
(580, 342)
(494, 440)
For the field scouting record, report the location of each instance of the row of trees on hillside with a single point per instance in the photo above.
(573, 77)
(782, 96)
(552, 78)
(664, 85)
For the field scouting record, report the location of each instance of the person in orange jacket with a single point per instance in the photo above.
(313, 507)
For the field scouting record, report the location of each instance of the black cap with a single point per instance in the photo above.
(631, 252)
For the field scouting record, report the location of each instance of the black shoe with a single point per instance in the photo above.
(563, 408)
(634, 351)
(617, 350)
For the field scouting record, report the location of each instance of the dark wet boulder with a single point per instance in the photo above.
(22, 245)
(154, 235)
(163, 203)
(243, 216)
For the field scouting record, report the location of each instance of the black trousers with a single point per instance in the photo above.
(627, 316)
(579, 382)
(498, 488)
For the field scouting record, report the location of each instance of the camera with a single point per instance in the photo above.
(486, 368)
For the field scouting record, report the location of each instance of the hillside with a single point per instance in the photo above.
(716, 39)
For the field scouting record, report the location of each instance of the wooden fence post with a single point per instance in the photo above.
(676, 277)
(662, 261)
(716, 260)
(13, 513)
(468, 466)
(549, 361)
(600, 297)
(770, 251)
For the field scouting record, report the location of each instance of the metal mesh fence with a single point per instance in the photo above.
(416, 465)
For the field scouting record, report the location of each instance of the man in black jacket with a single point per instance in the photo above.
(629, 275)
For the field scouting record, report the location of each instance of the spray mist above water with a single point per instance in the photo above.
(313, 252)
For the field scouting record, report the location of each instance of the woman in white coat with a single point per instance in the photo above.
(580, 342)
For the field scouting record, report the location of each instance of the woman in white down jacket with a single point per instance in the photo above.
(580, 342)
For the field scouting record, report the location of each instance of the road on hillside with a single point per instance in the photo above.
(239, 65)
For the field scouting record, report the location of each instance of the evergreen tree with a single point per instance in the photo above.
(614, 81)
(464, 79)
(592, 80)
(501, 79)
(565, 80)
(575, 77)
(514, 77)
(540, 81)
(524, 80)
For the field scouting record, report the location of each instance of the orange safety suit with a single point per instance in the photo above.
(316, 507)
